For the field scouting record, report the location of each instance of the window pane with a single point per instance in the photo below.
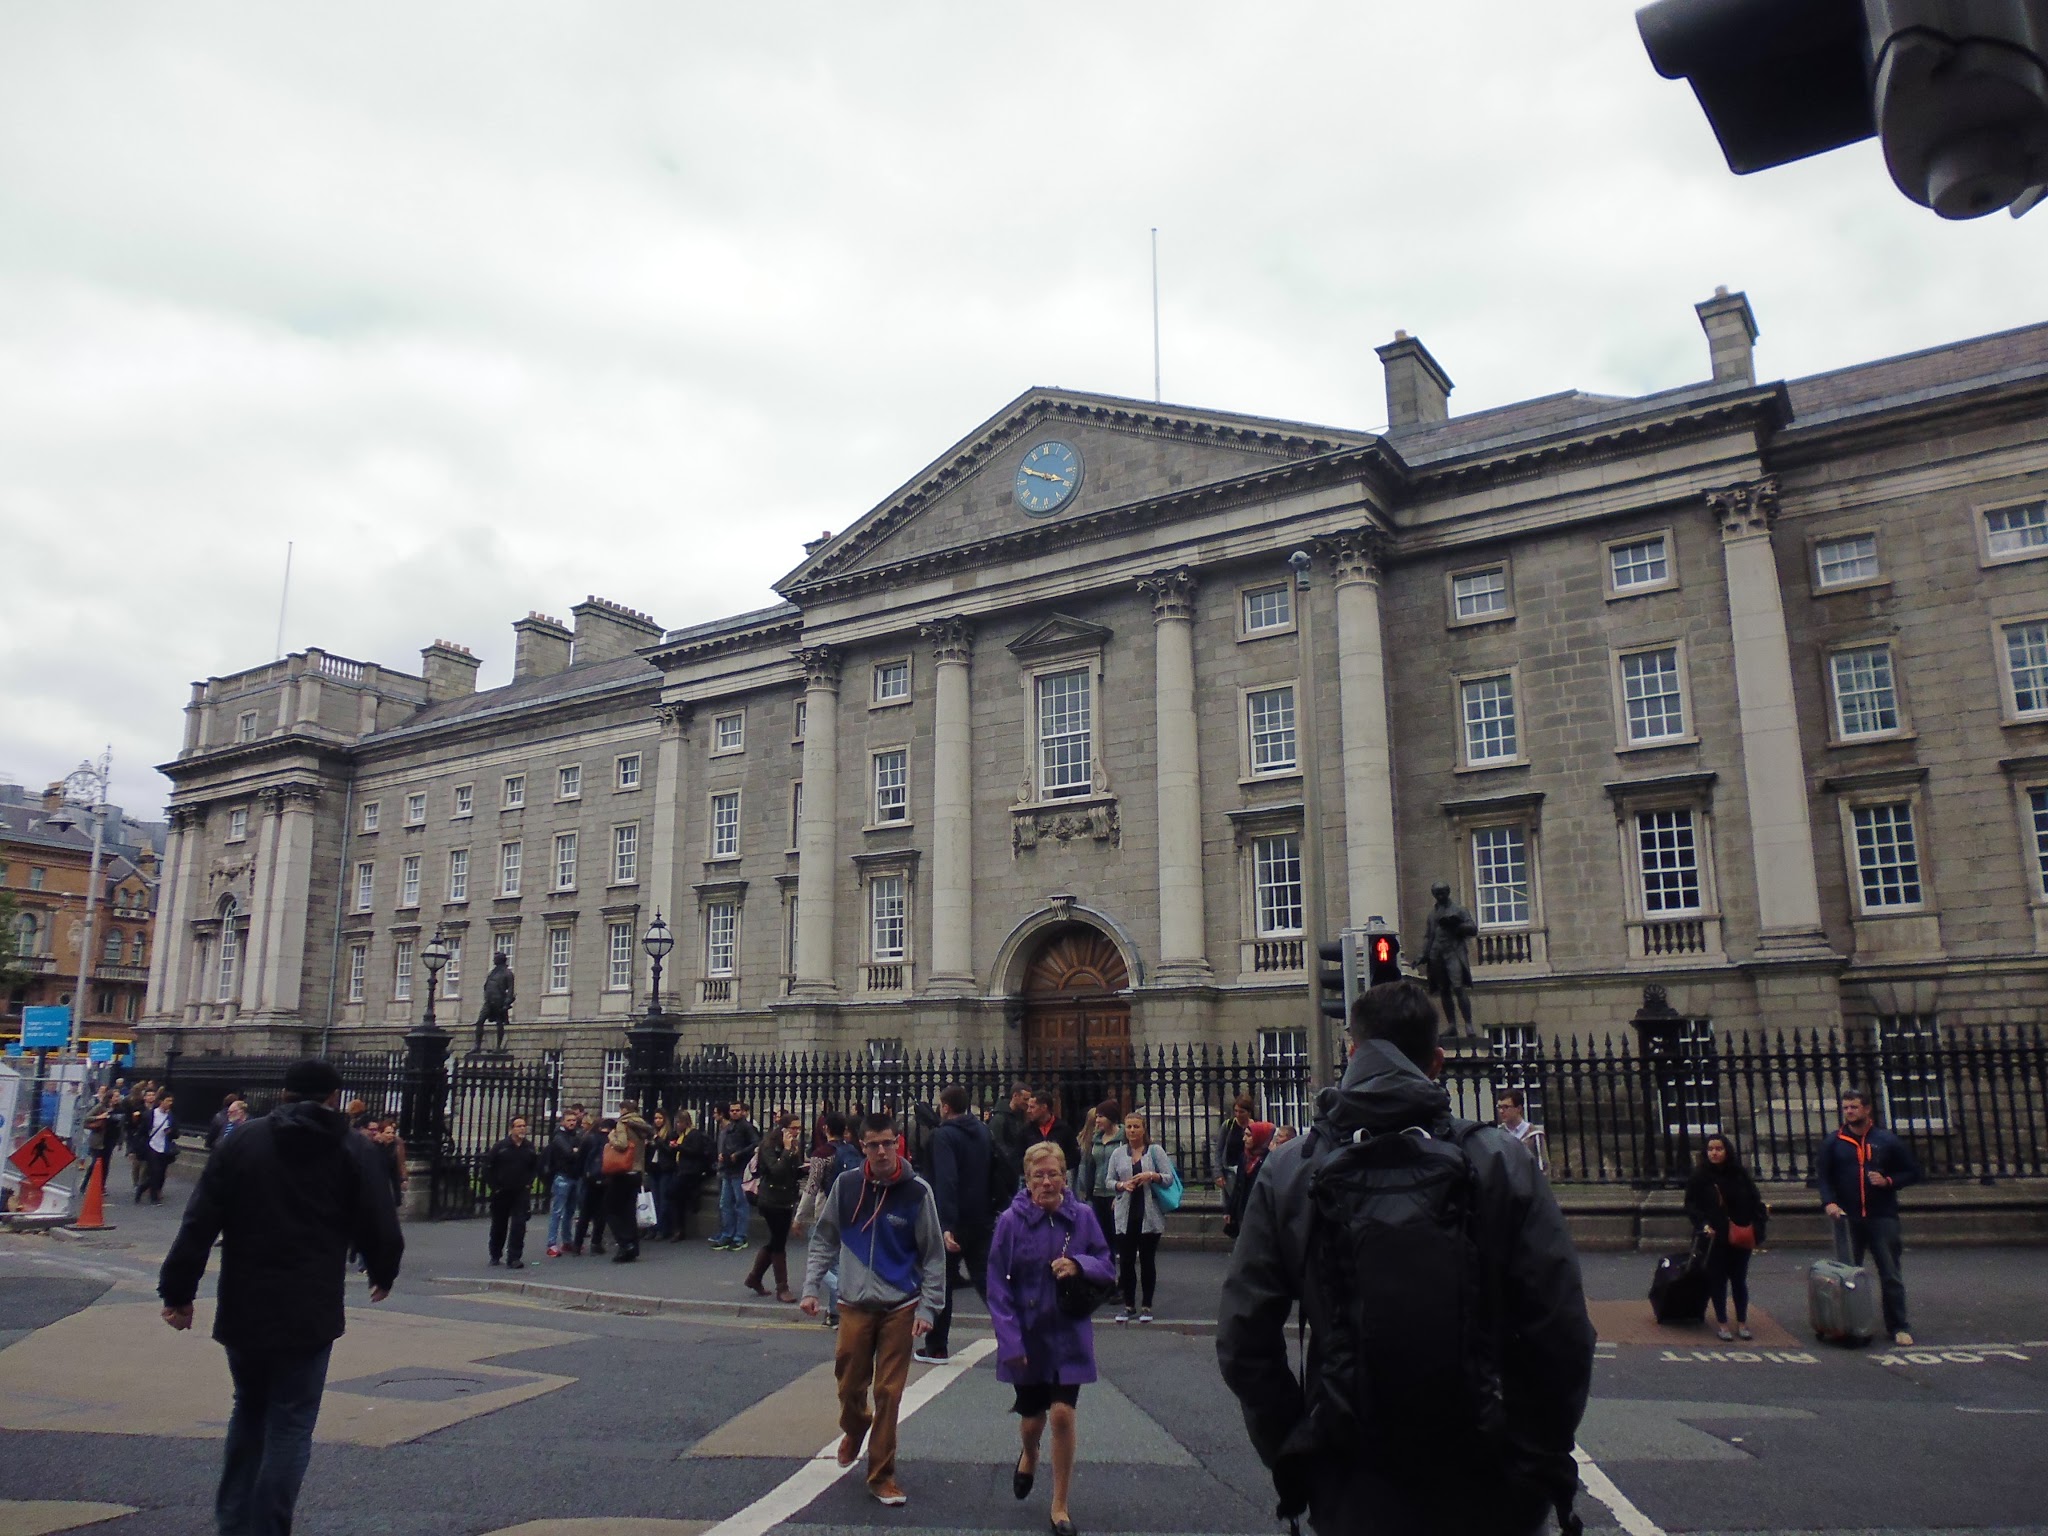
(1887, 862)
(409, 881)
(1283, 1076)
(401, 972)
(1909, 1050)
(358, 965)
(565, 861)
(729, 733)
(892, 771)
(725, 824)
(892, 680)
(1276, 876)
(721, 926)
(1640, 564)
(458, 875)
(558, 959)
(1853, 558)
(1518, 1065)
(2037, 803)
(515, 790)
(629, 772)
(1500, 870)
(625, 854)
(885, 910)
(619, 957)
(1669, 860)
(465, 800)
(1268, 608)
(451, 973)
(1065, 740)
(1479, 593)
(2011, 530)
(508, 869)
(568, 782)
(612, 1087)
(1272, 729)
(1649, 691)
(2026, 656)
(1688, 1080)
(1865, 701)
(1489, 705)
(366, 886)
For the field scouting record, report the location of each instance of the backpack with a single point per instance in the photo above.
(924, 1124)
(1404, 1305)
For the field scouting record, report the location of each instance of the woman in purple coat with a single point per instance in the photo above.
(1045, 1236)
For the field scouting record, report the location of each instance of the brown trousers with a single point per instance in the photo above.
(874, 1351)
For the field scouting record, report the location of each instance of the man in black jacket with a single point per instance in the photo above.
(509, 1171)
(1010, 1130)
(1044, 1124)
(737, 1139)
(1503, 1483)
(288, 1195)
(960, 1158)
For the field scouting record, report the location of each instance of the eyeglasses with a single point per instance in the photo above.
(877, 1146)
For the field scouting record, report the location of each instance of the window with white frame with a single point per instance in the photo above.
(1639, 565)
(1887, 856)
(2026, 666)
(1480, 594)
(1668, 861)
(560, 939)
(1500, 876)
(626, 772)
(458, 874)
(1283, 1076)
(409, 881)
(1689, 1079)
(892, 785)
(569, 781)
(509, 855)
(1269, 726)
(366, 886)
(721, 937)
(401, 971)
(515, 791)
(796, 813)
(245, 726)
(725, 824)
(612, 1086)
(1066, 735)
(238, 825)
(565, 861)
(1487, 706)
(1276, 885)
(1850, 557)
(887, 917)
(789, 941)
(892, 681)
(626, 854)
(1518, 1066)
(136, 953)
(451, 971)
(1269, 610)
(729, 732)
(504, 941)
(2011, 531)
(799, 717)
(1909, 1071)
(1652, 695)
(2037, 821)
(416, 808)
(358, 970)
(1866, 701)
(619, 957)
(465, 800)
(372, 812)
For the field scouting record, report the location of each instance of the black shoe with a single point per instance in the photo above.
(1021, 1481)
(623, 1257)
(494, 1262)
(1064, 1528)
(515, 1263)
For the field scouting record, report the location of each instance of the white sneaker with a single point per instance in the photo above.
(1144, 1314)
(924, 1357)
(1123, 1314)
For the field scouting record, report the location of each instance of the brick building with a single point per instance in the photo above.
(1738, 687)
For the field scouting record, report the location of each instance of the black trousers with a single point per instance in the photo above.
(621, 1196)
(508, 1223)
(590, 1215)
(1137, 1257)
(683, 1191)
(967, 1267)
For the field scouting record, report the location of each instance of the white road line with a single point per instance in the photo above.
(1601, 1486)
(793, 1493)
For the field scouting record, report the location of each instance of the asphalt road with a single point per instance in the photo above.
(454, 1408)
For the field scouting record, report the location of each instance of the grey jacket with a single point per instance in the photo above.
(1121, 1166)
(1548, 1363)
(891, 1249)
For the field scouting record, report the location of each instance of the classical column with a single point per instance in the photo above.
(1357, 557)
(250, 983)
(666, 874)
(1773, 769)
(288, 904)
(952, 962)
(818, 848)
(1183, 950)
(167, 958)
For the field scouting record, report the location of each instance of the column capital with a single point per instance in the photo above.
(1356, 554)
(1172, 593)
(185, 817)
(297, 792)
(952, 639)
(1746, 510)
(821, 666)
(675, 715)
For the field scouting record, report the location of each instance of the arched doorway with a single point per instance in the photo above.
(1077, 1023)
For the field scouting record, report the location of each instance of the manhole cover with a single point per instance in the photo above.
(420, 1384)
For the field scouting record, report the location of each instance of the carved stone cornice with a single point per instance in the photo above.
(1096, 820)
(675, 715)
(185, 817)
(1172, 593)
(1357, 554)
(278, 797)
(1746, 510)
(821, 664)
(952, 639)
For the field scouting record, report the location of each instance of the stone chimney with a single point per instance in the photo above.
(1731, 336)
(53, 799)
(605, 630)
(449, 670)
(1418, 389)
(541, 647)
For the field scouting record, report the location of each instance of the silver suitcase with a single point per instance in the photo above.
(1842, 1303)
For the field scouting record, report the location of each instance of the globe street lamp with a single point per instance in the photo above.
(88, 786)
(433, 957)
(658, 942)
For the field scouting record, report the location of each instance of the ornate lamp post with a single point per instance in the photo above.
(87, 787)
(423, 1111)
(658, 942)
(433, 957)
(651, 1053)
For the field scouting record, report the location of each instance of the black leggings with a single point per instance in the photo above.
(1137, 1253)
(1728, 1270)
(778, 1228)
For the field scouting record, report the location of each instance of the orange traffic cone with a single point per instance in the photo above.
(92, 1215)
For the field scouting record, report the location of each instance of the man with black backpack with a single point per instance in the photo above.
(1450, 1353)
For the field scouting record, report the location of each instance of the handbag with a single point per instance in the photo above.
(1739, 1235)
(1169, 1193)
(617, 1161)
(643, 1209)
(1076, 1295)
(750, 1181)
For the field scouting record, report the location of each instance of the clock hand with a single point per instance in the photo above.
(1042, 475)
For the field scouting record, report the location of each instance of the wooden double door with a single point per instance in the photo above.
(1077, 1025)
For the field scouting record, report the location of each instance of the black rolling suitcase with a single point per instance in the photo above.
(1678, 1290)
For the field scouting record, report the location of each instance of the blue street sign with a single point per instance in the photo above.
(99, 1050)
(14, 1048)
(45, 1029)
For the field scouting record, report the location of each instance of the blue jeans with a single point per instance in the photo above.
(270, 1439)
(1879, 1237)
(565, 1193)
(732, 1209)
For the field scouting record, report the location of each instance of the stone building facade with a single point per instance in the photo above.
(1738, 687)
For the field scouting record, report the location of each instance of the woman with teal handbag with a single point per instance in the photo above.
(1147, 1187)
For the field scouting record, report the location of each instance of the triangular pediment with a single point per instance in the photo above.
(1122, 452)
(1058, 632)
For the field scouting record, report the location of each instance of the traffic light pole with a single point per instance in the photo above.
(1322, 1056)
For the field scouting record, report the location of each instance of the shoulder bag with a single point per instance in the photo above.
(1077, 1295)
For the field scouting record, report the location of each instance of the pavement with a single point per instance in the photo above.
(659, 1398)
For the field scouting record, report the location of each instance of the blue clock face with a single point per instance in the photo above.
(1048, 478)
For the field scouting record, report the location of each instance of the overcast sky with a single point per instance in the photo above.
(489, 306)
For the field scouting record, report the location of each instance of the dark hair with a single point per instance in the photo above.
(1734, 1163)
(1245, 1102)
(1402, 1014)
(878, 1122)
(1043, 1096)
(1510, 1096)
(953, 1099)
(1860, 1094)
(835, 1126)
(1111, 1111)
